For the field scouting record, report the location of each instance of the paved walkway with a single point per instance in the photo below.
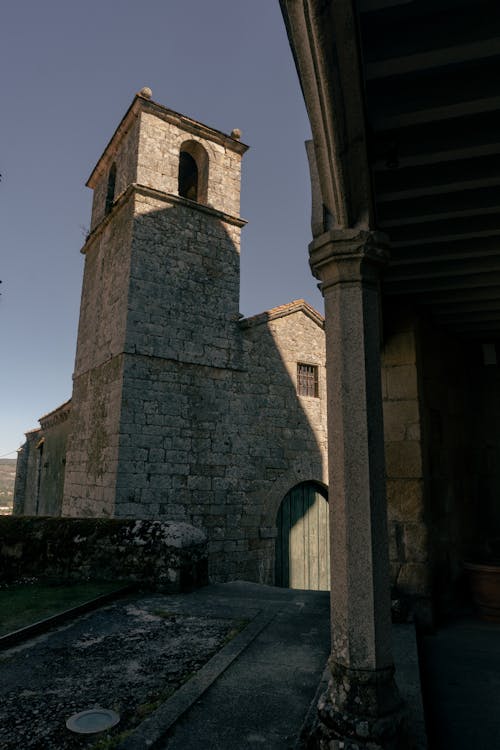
(256, 690)
(261, 697)
(269, 650)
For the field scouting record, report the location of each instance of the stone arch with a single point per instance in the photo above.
(302, 549)
(193, 172)
(303, 471)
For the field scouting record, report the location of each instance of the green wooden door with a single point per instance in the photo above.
(303, 541)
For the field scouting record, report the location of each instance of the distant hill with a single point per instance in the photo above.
(7, 478)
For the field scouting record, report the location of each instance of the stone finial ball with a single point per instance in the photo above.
(146, 92)
(236, 134)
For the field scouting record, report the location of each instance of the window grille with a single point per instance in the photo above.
(307, 380)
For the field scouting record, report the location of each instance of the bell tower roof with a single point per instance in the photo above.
(155, 148)
(143, 103)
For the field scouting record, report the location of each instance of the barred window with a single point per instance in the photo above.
(307, 380)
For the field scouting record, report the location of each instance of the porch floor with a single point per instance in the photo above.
(460, 673)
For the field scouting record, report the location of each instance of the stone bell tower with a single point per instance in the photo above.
(158, 333)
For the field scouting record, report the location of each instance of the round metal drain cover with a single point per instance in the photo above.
(93, 720)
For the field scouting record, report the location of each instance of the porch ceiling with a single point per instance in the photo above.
(431, 73)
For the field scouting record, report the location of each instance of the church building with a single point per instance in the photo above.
(181, 408)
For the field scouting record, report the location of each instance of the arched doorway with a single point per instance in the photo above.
(303, 542)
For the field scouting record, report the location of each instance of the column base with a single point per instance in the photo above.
(361, 710)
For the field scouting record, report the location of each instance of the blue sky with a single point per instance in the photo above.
(68, 71)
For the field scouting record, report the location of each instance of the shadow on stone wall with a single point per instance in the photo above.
(236, 436)
(208, 428)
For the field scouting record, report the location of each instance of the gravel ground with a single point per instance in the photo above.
(128, 657)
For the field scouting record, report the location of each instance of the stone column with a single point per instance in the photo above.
(362, 707)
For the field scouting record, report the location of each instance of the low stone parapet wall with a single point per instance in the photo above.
(167, 556)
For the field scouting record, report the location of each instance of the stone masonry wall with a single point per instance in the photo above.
(103, 308)
(26, 484)
(93, 443)
(124, 154)
(41, 464)
(483, 519)
(184, 287)
(158, 166)
(435, 395)
(285, 432)
(451, 507)
(161, 281)
(92, 449)
(220, 448)
(21, 488)
(167, 556)
(402, 402)
(53, 469)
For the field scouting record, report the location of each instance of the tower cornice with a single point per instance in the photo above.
(136, 189)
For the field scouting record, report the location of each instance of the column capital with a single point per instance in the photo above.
(348, 255)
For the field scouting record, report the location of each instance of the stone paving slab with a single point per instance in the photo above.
(155, 726)
(261, 700)
(461, 680)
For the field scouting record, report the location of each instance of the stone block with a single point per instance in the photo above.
(413, 432)
(405, 500)
(403, 460)
(383, 379)
(394, 535)
(399, 416)
(399, 349)
(401, 382)
(416, 542)
(156, 455)
(199, 483)
(255, 544)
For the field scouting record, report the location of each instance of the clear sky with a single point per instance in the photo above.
(68, 71)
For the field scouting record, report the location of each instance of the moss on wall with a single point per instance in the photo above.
(168, 556)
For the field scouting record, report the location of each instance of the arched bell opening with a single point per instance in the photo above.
(110, 189)
(193, 172)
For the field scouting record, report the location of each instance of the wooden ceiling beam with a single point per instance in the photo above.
(434, 58)
(444, 298)
(426, 285)
(444, 188)
(394, 121)
(466, 202)
(410, 221)
(422, 239)
(438, 157)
